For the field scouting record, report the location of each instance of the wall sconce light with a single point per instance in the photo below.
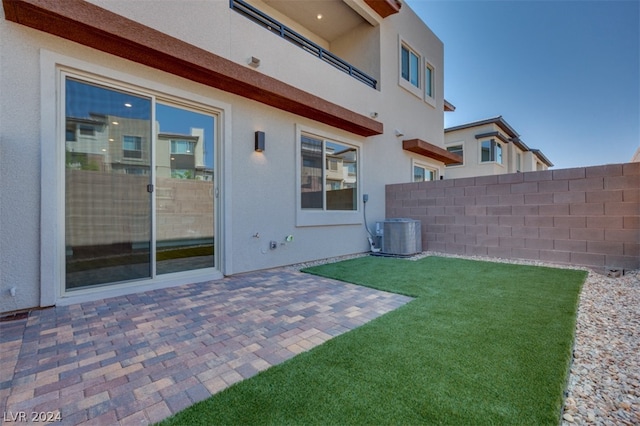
(259, 146)
(254, 62)
(399, 133)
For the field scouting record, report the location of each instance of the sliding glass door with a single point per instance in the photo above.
(139, 186)
(184, 189)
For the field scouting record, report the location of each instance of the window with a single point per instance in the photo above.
(423, 174)
(328, 176)
(410, 66)
(96, 207)
(182, 147)
(132, 146)
(456, 149)
(70, 133)
(87, 131)
(109, 211)
(491, 151)
(429, 81)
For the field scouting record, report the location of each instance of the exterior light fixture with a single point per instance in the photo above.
(259, 146)
(319, 16)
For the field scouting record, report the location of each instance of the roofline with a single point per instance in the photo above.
(499, 121)
(497, 135)
(520, 144)
(448, 106)
(513, 135)
(177, 135)
(542, 157)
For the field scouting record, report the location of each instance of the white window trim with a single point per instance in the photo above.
(306, 217)
(464, 149)
(405, 84)
(431, 100)
(53, 67)
(427, 166)
(492, 162)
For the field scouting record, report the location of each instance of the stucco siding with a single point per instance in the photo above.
(19, 176)
(258, 192)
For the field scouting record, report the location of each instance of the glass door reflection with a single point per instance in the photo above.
(184, 189)
(107, 177)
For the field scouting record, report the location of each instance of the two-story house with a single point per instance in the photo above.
(149, 144)
(490, 147)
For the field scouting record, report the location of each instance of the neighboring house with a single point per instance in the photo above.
(636, 156)
(490, 147)
(149, 144)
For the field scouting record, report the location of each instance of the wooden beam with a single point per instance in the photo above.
(98, 28)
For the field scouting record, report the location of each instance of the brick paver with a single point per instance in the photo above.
(137, 359)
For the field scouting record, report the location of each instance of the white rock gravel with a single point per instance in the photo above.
(604, 383)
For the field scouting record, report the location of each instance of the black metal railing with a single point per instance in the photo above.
(288, 34)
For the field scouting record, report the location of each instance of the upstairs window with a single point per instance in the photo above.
(410, 65)
(132, 146)
(456, 149)
(429, 81)
(87, 131)
(182, 147)
(491, 151)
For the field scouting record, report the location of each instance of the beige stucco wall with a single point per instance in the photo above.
(258, 190)
(474, 167)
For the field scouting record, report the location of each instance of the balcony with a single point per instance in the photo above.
(302, 42)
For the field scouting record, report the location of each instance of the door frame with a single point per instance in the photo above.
(54, 67)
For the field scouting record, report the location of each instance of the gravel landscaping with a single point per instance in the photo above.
(604, 384)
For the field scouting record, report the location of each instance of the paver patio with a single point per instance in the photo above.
(137, 359)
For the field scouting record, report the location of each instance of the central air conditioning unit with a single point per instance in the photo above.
(399, 237)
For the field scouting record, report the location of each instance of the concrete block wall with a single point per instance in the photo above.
(587, 216)
(120, 208)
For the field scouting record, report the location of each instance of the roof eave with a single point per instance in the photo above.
(426, 149)
(90, 25)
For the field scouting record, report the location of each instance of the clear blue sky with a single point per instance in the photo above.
(564, 74)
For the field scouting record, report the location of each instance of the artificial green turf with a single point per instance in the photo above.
(482, 343)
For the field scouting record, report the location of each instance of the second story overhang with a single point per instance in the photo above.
(106, 31)
(429, 150)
